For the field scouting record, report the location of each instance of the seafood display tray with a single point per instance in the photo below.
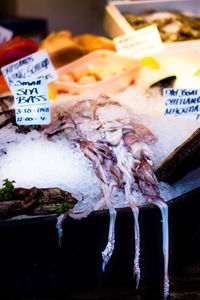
(124, 70)
(115, 24)
(33, 264)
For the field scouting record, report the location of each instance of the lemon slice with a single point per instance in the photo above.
(150, 62)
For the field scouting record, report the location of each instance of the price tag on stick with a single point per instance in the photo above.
(140, 43)
(31, 102)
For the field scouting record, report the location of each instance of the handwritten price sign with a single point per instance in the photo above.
(31, 102)
(182, 102)
(139, 43)
(32, 67)
(27, 79)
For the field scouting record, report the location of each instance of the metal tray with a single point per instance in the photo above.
(115, 24)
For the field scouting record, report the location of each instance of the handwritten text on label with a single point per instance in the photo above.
(182, 102)
(140, 43)
(35, 66)
(31, 102)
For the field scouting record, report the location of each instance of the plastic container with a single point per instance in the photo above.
(118, 72)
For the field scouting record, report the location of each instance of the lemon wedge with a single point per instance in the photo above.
(197, 73)
(51, 94)
(150, 62)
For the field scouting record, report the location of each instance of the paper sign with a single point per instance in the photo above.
(5, 34)
(140, 43)
(182, 102)
(31, 102)
(32, 67)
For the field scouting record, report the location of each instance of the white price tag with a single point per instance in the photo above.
(31, 102)
(182, 103)
(140, 43)
(5, 34)
(32, 67)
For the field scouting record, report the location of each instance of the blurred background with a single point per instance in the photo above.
(78, 16)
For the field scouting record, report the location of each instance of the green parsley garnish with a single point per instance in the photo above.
(66, 207)
(7, 190)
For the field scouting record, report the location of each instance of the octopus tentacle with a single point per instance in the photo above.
(59, 223)
(149, 187)
(95, 159)
(80, 215)
(98, 153)
(135, 211)
(165, 233)
(98, 206)
(114, 172)
(107, 253)
(125, 162)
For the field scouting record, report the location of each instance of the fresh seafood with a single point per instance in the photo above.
(173, 26)
(120, 152)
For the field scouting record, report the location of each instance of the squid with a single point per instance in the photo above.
(119, 150)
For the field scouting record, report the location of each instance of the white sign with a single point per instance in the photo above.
(32, 67)
(140, 43)
(182, 102)
(31, 102)
(5, 34)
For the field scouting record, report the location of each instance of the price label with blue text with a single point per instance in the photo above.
(31, 102)
(182, 102)
(32, 67)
